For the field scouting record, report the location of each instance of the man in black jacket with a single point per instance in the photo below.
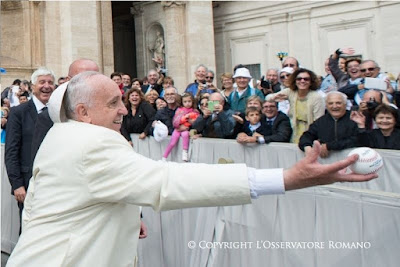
(335, 130)
(275, 127)
(20, 128)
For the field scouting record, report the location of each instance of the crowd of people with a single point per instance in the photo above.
(291, 104)
(87, 182)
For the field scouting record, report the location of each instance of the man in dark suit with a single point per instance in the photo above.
(275, 127)
(152, 77)
(44, 122)
(20, 128)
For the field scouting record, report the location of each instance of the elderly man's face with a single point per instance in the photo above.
(269, 109)
(106, 108)
(200, 74)
(170, 95)
(242, 82)
(336, 106)
(372, 95)
(152, 77)
(43, 88)
(217, 97)
(290, 62)
(272, 75)
(369, 69)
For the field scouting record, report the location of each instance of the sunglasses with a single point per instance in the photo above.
(284, 77)
(208, 77)
(289, 65)
(306, 79)
(369, 69)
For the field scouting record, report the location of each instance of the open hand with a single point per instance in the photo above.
(309, 172)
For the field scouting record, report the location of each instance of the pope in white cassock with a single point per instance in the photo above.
(82, 206)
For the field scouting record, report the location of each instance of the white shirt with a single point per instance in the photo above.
(38, 104)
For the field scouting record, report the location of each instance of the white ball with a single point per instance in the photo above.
(369, 161)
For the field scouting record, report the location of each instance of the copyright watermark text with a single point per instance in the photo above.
(267, 244)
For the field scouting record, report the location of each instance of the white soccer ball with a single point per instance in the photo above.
(369, 161)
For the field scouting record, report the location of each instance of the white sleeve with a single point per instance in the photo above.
(265, 182)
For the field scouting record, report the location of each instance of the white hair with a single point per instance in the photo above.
(176, 90)
(202, 66)
(42, 71)
(344, 97)
(79, 91)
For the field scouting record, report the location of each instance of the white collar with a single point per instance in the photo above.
(38, 104)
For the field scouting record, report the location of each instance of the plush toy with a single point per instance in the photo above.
(190, 116)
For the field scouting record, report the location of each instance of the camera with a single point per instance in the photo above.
(372, 104)
(265, 83)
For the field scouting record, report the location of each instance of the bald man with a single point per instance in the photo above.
(44, 122)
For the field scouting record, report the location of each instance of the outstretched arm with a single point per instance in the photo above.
(309, 172)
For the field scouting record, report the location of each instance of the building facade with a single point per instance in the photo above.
(122, 36)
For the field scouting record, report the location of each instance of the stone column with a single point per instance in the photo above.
(106, 59)
(137, 11)
(200, 36)
(175, 43)
(37, 36)
(189, 39)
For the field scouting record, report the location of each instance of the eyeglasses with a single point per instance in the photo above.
(284, 77)
(210, 78)
(306, 79)
(369, 69)
(289, 65)
(265, 107)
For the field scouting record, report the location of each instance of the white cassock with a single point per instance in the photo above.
(82, 204)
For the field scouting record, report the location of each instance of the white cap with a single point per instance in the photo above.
(242, 72)
(286, 69)
(56, 113)
(160, 131)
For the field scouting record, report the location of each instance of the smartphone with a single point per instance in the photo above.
(354, 108)
(375, 83)
(211, 105)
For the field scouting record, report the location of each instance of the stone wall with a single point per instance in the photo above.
(53, 34)
(310, 31)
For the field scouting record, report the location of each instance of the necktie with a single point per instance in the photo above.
(269, 127)
(43, 109)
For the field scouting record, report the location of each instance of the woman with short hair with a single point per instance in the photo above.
(386, 136)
